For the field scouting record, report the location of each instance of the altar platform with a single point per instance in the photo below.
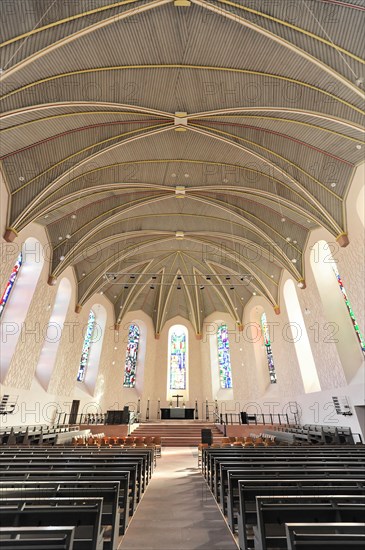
(177, 413)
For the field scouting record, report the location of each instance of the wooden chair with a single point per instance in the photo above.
(225, 440)
(129, 442)
(157, 442)
(240, 439)
(232, 439)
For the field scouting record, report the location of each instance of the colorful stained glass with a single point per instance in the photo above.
(10, 283)
(267, 342)
(131, 357)
(86, 347)
(224, 357)
(349, 309)
(177, 359)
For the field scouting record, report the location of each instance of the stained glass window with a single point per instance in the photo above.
(224, 358)
(10, 283)
(349, 309)
(178, 341)
(86, 347)
(131, 357)
(267, 342)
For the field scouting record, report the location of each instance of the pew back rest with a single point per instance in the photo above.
(326, 536)
(23, 538)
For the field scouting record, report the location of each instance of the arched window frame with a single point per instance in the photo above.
(177, 362)
(11, 283)
(131, 356)
(300, 338)
(224, 357)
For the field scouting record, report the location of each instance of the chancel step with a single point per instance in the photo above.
(177, 435)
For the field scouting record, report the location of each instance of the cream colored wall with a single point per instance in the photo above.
(249, 370)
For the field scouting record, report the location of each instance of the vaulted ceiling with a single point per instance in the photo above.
(179, 153)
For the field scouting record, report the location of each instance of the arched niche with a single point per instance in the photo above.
(255, 340)
(16, 309)
(300, 339)
(336, 311)
(53, 333)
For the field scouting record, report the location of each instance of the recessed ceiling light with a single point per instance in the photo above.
(288, 239)
(235, 308)
(294, 260)
(300, 284)
(114, 296)
(283, 220)
(240, 349)
(46, 216)
(186, 175)
(295, 242)
(101, 292)
(83, 274)
(225, 180)
(254, 293)
(60, 238)
(358, 146)
(120, 307)
(173, 175)
(73, 216)
(21, 178)
(359, 81)
(333, 184)
(113, 363)
(308, 221)
(68, 236)
(272, 276)
(62, 258)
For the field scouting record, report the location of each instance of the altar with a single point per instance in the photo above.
(177, 413)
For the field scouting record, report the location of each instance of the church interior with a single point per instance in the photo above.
(182, 274)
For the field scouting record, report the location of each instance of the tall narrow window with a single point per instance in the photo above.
(177, 357)
(131, 357)
(86, 347)
(10, 284)
(224, 358)
(267, 342)
(349, 308)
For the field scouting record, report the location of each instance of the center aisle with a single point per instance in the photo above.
(178, 511)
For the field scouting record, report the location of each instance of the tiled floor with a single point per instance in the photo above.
(178, 511)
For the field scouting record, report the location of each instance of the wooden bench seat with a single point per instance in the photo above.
(112, 515)
(83, 513)
(245, 517)
(273, 512)
(74, 476)
(326, 536)
(37, 538)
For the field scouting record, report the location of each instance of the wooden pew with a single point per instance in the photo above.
(27, 538)
(304, 467)
(135, 484)
(248, 491)
(74, 476)
(84, 514)
(326, 536)
(273, 512)
(107, 490)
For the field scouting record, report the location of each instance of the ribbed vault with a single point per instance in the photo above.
(179, 155)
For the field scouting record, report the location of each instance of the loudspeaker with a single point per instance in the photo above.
(207, 436)
(125, 415)
(244, 418)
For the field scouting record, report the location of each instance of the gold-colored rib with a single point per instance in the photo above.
(182, 66)
(131, 132)
(66, 20)
(271, 152)
(293, 27)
